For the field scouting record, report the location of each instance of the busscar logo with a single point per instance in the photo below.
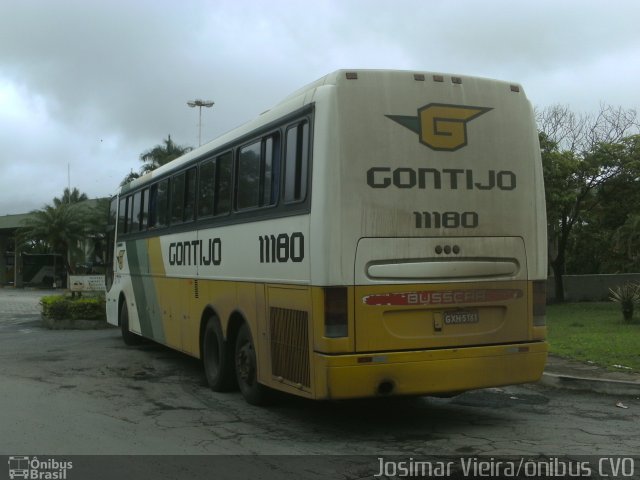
(440, 126)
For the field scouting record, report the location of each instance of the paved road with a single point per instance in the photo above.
(84, 392)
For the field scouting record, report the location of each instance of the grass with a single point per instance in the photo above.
(594, 332)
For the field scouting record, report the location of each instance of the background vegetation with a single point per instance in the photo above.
(594, 332)
(592, 184)
(61, 307)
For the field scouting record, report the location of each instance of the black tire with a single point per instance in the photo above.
(217, 358)
(128, 337)
(247, 370)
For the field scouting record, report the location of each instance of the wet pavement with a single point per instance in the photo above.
(85, 392)
(559, 372)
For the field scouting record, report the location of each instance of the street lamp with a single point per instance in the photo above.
(200, 103)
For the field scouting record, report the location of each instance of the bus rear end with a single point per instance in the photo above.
(434, 235)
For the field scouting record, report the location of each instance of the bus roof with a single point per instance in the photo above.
(296, 100)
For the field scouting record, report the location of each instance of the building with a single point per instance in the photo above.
(19, 269)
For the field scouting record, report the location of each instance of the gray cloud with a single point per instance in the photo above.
(90, 85)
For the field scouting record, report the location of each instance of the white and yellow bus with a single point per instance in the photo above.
(376, 233)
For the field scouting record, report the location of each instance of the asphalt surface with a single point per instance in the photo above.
(145, 412)
(559, 372)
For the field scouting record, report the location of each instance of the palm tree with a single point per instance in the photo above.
(69, 197)
(162, 154)
(130, 177)
(156, 157)
(59, 227)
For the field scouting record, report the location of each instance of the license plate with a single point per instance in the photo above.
(461, 317)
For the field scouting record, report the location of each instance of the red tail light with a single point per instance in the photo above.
(539, 303)
(335, 312)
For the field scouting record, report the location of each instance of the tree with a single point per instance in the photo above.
(627, 240)
(156, 157)
(581, 154)
(612, 220)
(129, 178)
(59, 227)
(66, 225)
(162, 154)
(69, 197)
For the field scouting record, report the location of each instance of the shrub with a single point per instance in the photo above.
(627, 295)
(54, 307)
(60, 307)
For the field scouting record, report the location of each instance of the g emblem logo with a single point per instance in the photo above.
(441, 126)
(444, 127)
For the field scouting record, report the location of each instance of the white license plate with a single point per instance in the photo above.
(461, 317)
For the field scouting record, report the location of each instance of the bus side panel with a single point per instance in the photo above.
(287, 347)
(144, 298)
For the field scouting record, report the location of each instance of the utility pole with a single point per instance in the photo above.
(200, 103)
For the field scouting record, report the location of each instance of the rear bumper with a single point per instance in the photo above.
(427, 372)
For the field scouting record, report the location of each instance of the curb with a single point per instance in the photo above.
(608, 386)
(68, 324)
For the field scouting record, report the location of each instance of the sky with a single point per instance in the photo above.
(86, 86)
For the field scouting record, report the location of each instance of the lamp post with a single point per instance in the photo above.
(200, 103)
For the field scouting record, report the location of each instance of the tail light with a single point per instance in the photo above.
(335, 312)
(539, 303)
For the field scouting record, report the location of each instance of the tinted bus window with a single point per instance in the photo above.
(267, 190)
(190, 195)
(224, 166)
(177, 198)
(162, 204)
(134, 216)
(296, 162)
(206, 188)
(257, 174)
(122, 216)
(248, 194)
(144, 209)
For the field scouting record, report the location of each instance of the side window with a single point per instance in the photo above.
(158, 196)
(206, 189)
(224, 165)
(257, 174)
(153, 202)
(162, 204)
(249, 176)
(144, 209)
(134, 213)
(177, 198)
(122, 216)
(296, 162)
(183, 196)
(111, 221)
(267, 173)
(190, 195)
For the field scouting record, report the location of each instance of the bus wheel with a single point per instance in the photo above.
(217, 358)
(247, 371)
(129, 337)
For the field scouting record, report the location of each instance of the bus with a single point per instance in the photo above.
(377, 233)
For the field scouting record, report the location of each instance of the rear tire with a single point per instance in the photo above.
(128, 337)
(247, 370)
(217, 358)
